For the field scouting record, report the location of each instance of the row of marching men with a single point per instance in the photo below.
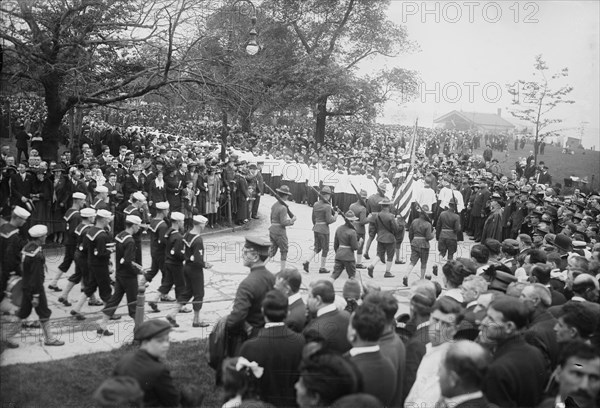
(90, 247)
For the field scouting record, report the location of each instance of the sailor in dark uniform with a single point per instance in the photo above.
(11, 243)
(158, 228)
(73, 219)
(101, 202)
(34, 296)
(193, 273)
(138, 207)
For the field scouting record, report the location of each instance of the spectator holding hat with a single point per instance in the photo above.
(34, 296)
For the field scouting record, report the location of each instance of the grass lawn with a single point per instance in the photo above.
(583, 163)
(71, 382)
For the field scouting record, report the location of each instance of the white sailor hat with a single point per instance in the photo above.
(199, 219)
(104, 214)
(101, 189)
(87, 212)
(21, 212)
(133, 219)
(37, 231)
(163, 205)
(139, 196)
(78, 196)
(177, 216)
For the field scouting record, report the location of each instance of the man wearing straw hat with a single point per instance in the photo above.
(279, 221)
(34, 296)
(345, 244)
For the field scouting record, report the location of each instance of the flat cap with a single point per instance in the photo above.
(260, 244)
(177, 216)
(78, 196)
(21, 212)
(37, 231)
(163, 205)
(151, 328)
(87, 212)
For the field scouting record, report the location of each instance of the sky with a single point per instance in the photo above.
(469, 51)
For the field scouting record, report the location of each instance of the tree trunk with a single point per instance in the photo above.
(224, 133)
(246, 122)
(321, 120)
(56, 113)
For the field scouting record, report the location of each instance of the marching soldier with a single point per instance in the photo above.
(126, 274)
(386, 229)
(322, 216)
(345, 244)
(174, 257)
(158, 228)
(80, 257)
(420, 233)
(373, 206)
(73, 219)
(447, 230)
(360, 211)
(98, 242)
(34, 297)
(279, 221)
(193, 273)
(11, 243)
(138, 208)
(101, 202)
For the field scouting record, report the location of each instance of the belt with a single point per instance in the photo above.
(275, 223)
(344, 246)
(418, 237)
(320, 223)
(447, 229)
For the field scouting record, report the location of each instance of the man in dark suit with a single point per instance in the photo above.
(377, 371)
(329, 324)
(246, 318)
(21, 184)
(540, 333)
(288, 282)
(461, 374)
(541, 273)
(278, 350)
(517, 375)
(478, 214)
(133, 182)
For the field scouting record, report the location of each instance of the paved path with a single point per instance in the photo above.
(223, 250)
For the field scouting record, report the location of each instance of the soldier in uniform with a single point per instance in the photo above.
(246, 318)
(420, 233)
(101, 201)
(345, 244)
(322, 216)
(80, 257)
(447, 229)
(138, 207)
(193, 272)
(73, 219)
(34, 297)
(11, 243)
(373, 206)
(125, 276)
(158, 228)
(360, 211)
(98, 242)
(386, 229)
(174, 257)
(279, 221)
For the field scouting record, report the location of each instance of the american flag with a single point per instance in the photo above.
(403, 195)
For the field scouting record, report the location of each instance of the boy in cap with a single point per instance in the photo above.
(73, 219)
(322, 216)
(11, 243)
(34, 296)
(193, 273)
(246, 318)
(345, 243)
(126, 280)
(147, 366)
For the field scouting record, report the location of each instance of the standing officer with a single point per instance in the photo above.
(279, 221)
(125, 276)
(11, 244)
(193, 273)
(246, 318)
(34, 297)
(345, 243)
(322, 216)
(480, 203)
(386, 229)
(73, 219)
(158, 228)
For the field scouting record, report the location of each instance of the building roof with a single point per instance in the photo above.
(487, 120)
